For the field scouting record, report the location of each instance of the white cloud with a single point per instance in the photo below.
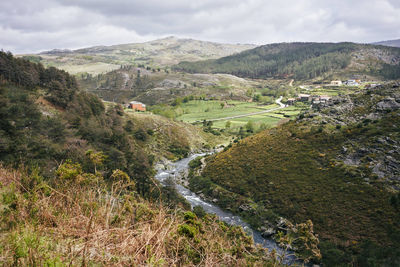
(92, 35)
(29, 26)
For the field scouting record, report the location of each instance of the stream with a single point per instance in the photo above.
(179, 168)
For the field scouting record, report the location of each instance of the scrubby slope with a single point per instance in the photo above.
(79, 219)
(332, 167)
(46, 119)
(163, 137)
(159, 86)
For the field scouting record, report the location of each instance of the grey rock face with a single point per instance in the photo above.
(171, 84)
(387, 104)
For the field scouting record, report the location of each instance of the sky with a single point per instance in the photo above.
(28, 26)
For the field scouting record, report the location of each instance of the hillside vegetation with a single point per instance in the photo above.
(154, 86)
(303, 61)
(77, 187)
(45, 119)
(338, 167)
(78, 218)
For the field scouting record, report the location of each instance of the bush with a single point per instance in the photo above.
(189, 216)
(141, 135)
(199, 211)
(187, 230)
(180, 151)
(195, 163)
(150, 132)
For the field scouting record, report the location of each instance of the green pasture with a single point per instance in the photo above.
(199, 110)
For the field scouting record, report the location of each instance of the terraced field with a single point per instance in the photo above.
(198, 111)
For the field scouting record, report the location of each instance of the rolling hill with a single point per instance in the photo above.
(393, 43)
(304, 61)
(157, 53)
(154, 87)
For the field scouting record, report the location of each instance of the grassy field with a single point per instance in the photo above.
(332, 90)
(91, 68)
(265, 119)
(198, 110)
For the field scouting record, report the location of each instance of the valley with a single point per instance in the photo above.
(305, 137)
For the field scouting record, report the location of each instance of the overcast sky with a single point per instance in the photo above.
(37, 25)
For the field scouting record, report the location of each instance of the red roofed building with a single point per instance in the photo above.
(137, 106)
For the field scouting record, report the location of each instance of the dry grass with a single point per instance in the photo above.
(84, 224)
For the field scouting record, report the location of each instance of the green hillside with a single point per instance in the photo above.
(77, 187)
(303, 61)
(335, 166)
(46, 118)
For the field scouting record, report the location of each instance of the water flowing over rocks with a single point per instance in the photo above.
(178, 170)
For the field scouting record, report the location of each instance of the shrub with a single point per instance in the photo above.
(199, 211)
(150, 132)
(195, 163)
(140, 134)
(189, 216)
(69, 171)
(187, 230)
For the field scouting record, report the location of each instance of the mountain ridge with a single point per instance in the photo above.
(168, 38)
(303, 60)
(392, 43)
(160, 53)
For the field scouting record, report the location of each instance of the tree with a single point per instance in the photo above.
(249, 127)
(228, 125)
(257, 97)
(97, 158)
(241, 132)
(138, 81)
(177, 101)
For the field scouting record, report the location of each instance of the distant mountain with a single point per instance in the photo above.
(304, 61)
(170, 50)
(159, 53)
(393, 43)
(57, 52)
